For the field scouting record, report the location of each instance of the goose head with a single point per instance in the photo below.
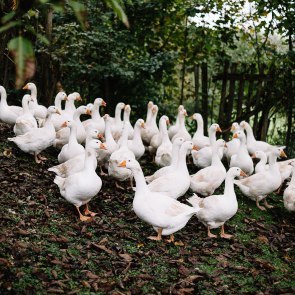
(178, 141)
(52, 110)
(100, 102)
(96, 144)
(165, 119)
(83, 110)
(235, 172)
(140, 123)
(120, 106)
(196, 117)
(61, 96)
(30, 86)
(127, 109)
(130, 164)
(180, 108)
(214, 128)
(235, 127)
(220, 143)
(259, 155)
(150, 105)
(93, 133)
(155, 110)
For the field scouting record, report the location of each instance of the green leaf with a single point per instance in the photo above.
(7, 17)
(22, 51)
(80, 11)
(43, 39)
(118, 9)
(9, 25)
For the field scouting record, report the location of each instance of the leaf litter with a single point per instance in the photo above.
(46, 249)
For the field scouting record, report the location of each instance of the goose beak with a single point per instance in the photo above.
(225, 145)
(66, 98)
(191, 117)
(100, 136)
(168, 122)
(103, 103)
(58, 111)
(242, 173)
(233, 128)
(88, 112)
(103, 146)
(283, 155)
(235, 135)
(218, 129)
(195, 148)
(185, 113)
(142, 125)
(253, 156)
(79, 98)
(64, 124)
(291, 163)
(122, 164)
(26, 86)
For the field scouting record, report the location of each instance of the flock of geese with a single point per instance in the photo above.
(114, 144)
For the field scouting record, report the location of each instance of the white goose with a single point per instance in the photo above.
(76, 164)
(58, 120)
(165, 214)
(202, 158)
(79, 188)
(40, 111)
(62, 136)
(289, 193)
(72, 148)
(259, 185)
(215, 210)
(234, 144)
(174, 128)
(96, 121)
(8, 114)
(172, 167)
(117, 123)
(136, 144)
(164, 151)
(242, 158)
(182, 132)
(253, 144)
(177, 183)
(199, 139)
(37, 140)
(208, 179)
(261, 165)
(151, 127)
(120, 173)
(126, 121)
(26, 121)
(70, 107)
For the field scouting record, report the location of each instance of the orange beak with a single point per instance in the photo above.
(58, 111)
(100, 136)
(232, 128)
(218, 129)
(225, 145)
(195, 148)
(283, 155)
(185, 113)
(79, 98)
(26, 86)
(253, 156)
(168, 122)
(243, 173)
(235, 135)
(103, 103)
(142, 125)
(88, 112)
(66, 98)
(64, 124)
(122, 164)
(103, 146)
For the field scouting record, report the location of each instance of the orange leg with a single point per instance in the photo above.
(41, 158)
(210, 235)
(266, 204)
(82, 217)
(171, 239)
(119, 186)
(259, 206)
(37, 160)
(158, 237)
(223, 234)
(88, 212)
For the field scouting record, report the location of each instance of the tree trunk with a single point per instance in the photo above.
(184, 63)
(223, 95)
(205, 96)
(250, 89)
(197, 86)
(240, 97)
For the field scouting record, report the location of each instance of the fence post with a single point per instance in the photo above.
(223, 94)
(205, 96)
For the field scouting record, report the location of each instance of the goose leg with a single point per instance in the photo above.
(258, 205)
(37, 160)
(158, 237)
(266, 204)
(88, 212)
(210, 235)
(42, 158)
(171, 239)
(223, 234)
(101, 172)
(118, 186)
(82, 217)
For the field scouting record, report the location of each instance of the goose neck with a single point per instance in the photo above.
(90, 158)
(108, 133)
(175, 152)
(57, 102)
(25, 105)
(181, 165)
(137, 133)
(212, 136)
(95, 112)
(141, 185)
(229, 186)
(70, 105)
(200, 126)
(73, 135)
(76, 116)
(3, 93)
(215, 160)
(118, 114)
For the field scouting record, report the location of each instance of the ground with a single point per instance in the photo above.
(44, 248)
